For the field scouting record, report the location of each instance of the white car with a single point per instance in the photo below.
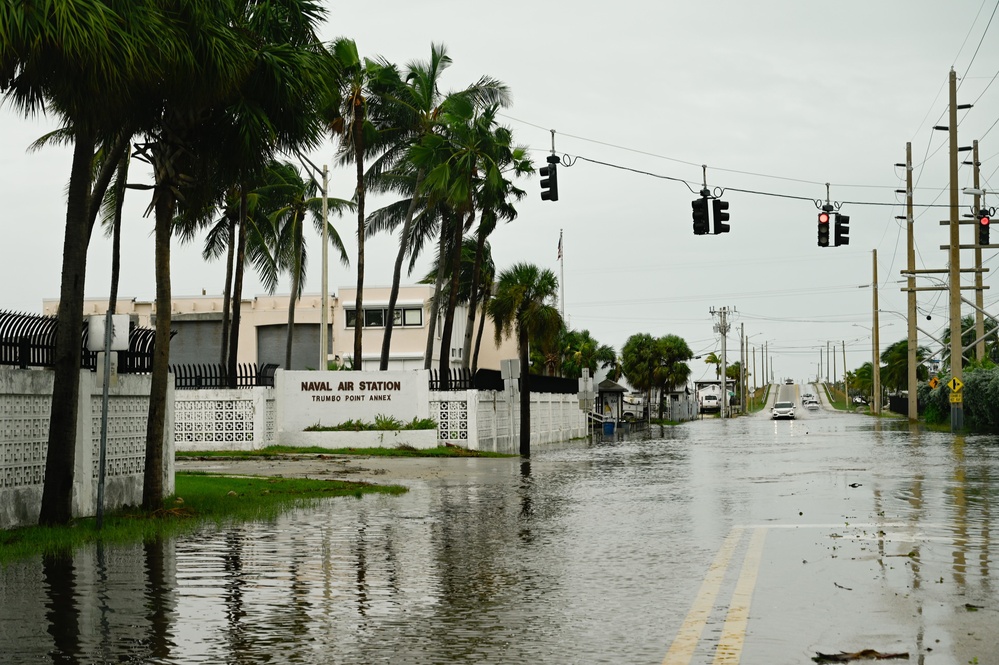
(782, 410)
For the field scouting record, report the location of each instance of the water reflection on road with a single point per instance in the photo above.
(871, 536)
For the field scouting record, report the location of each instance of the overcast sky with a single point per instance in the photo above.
(777, 97)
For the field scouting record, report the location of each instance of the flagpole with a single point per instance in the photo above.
(561, 276)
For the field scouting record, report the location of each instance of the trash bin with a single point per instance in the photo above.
(609, 427)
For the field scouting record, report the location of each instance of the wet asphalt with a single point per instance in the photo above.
(743, 540)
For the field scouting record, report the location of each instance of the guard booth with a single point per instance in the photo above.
(610, 403)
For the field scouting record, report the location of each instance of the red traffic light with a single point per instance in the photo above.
(823, 217)
(984, 221)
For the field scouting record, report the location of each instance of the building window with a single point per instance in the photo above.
(375, 317)
(413, 316)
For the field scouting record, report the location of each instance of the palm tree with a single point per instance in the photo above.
(257, 82)
(523, 303)
(493, 197)
(457, 162)
(713, 359)
(287, 200)
(895, 372)
(358, 134)
(82, 61)
(417, 101)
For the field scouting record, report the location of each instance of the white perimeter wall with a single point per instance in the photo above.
(25, 406)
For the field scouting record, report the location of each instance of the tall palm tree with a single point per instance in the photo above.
(419, 105)
(458, 161)
(287, 200)
(494, 199)
(355, 125)
(524, 303)
(83, 62)
(259, 80)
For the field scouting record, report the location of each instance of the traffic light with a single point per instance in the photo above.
(549, 186)
(983, 226)
(842, 236)
(823, 229)
(700, 207)
(720, 216)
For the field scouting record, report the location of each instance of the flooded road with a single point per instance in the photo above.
(718, 541)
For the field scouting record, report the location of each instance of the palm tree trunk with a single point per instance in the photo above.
(296, 276)
(152, 483)
(227, 294)
(60, 460)
(358, 141)
(428, 356)
(473, 298)
(478, 337)
(452, 304)
(119, 202)
(237, 291)
(525, 391)
(397, 274)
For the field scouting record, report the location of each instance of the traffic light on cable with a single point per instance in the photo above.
(823, 228)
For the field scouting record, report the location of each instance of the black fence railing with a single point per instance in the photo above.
(28, 340)
(491, 379)
(216, 375)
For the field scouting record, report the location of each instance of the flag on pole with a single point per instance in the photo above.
(559, 245)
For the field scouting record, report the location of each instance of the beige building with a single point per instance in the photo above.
(263, 323)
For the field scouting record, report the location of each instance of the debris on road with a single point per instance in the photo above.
(866, 654)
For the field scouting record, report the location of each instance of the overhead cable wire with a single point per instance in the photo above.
(739, 189)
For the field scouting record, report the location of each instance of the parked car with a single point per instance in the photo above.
(782, 410)
(859, 400)
(710, 404)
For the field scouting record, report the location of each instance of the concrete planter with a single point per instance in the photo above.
(421, 439)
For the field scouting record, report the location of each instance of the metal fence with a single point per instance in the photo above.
(28, 340)
(216, 375)
(491, 379)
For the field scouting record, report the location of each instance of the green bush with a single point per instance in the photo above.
(382, 424)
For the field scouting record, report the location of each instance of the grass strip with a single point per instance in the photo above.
(289, 451)
(200, 499)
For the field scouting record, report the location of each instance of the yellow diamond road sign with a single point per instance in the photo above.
(955, 385)
(934, 382)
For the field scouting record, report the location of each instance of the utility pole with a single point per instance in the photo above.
(742, 367)
(876, 344)
(956, 352)
(913, 342)
(846, 385)
(722, 327)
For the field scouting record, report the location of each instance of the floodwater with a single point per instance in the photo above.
(742, 540)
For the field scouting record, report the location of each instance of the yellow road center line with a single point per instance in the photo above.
(682, 649)
(734, 632)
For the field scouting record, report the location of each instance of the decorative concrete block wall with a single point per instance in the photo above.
(224, 419)
(25, 405)
(490, 420)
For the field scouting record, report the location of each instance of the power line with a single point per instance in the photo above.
(571, 159)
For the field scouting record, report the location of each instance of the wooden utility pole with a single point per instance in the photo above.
(876, 344)
(956, 352)
(913, 411)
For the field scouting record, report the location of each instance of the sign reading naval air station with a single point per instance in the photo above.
(330, 398)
